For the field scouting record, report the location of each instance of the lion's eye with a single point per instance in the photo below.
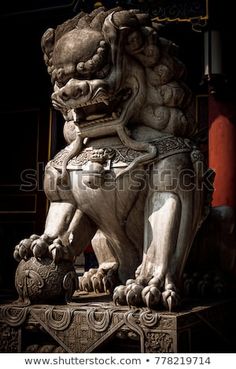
(62, 77)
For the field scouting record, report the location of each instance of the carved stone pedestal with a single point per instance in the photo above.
(100, 326)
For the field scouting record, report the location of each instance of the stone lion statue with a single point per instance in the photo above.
(131, 177)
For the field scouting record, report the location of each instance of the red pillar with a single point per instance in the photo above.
(222, 150)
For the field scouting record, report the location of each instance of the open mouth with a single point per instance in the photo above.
(101, 110)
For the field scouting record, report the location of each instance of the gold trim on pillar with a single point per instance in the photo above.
(199, 19)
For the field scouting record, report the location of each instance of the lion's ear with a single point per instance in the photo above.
(47, 41)
(47, 45)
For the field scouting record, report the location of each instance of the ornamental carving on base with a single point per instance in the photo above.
(9, 339)
(158, 342)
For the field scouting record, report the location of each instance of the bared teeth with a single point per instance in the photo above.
(101, 108)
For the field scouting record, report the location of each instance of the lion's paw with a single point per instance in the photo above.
(99, 280)
(131, 294)
(85, 282)
(152, 293)
(137, 294)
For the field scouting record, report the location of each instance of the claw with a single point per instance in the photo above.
(129, 287)
(108, 284)
(85, 283)
(24, 248)
(110, 280)
(151, 296)
(56, 250)
(170, 299)
(39, 248)
(56, 255)
(119, 296)
(97, 283)
(99, 280)
(134, 295)
(59, 252)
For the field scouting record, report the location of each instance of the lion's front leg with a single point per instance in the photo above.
(75, 239)
(172, 216)
(58, 220)
(157, 273)
(153, 277)
(61, 212)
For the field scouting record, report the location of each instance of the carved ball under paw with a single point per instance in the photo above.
(43, 281)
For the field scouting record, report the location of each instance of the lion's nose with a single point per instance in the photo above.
(74, 90)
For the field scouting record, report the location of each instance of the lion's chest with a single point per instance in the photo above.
(107, 200)
(96, 186)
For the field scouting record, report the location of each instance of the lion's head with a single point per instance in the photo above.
(111, 68)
